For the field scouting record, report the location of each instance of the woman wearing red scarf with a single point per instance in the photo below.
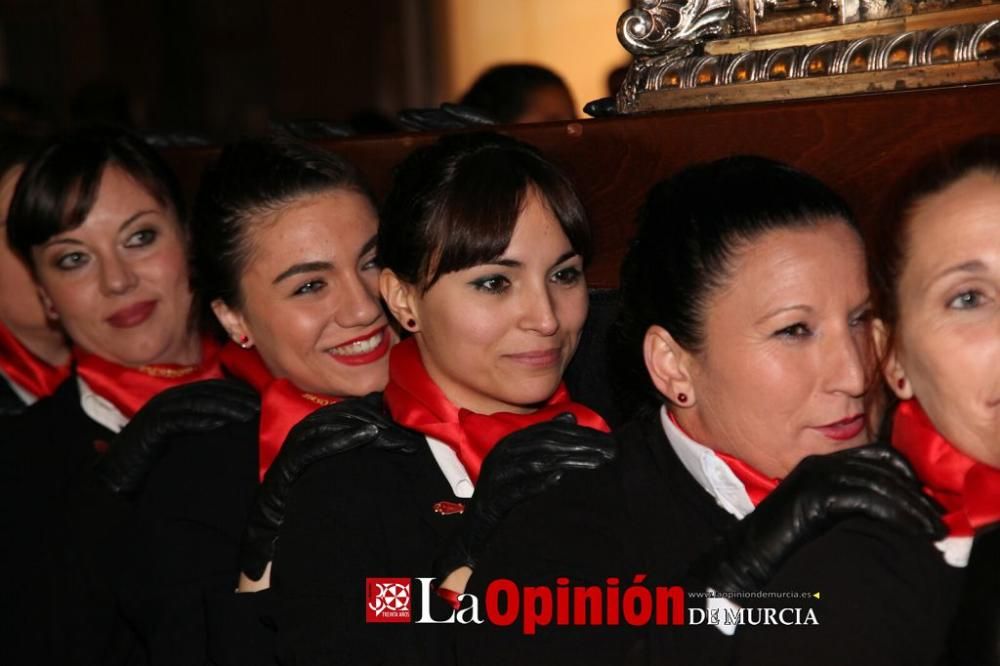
(34, 357)
(483, 244)
(936, 275)
(98, 217)
(285, 256)
(745, 335)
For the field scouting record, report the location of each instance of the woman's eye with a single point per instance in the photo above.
(310, 287)
(370, 264)
(68, 262)
(494, 284)
(798, 330)
(567, 276)
(141, 238)
(862, 319)
(967, 300)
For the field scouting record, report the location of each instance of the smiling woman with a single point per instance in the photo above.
(483, 244)
(745, 329)
(98, 218)
(285, 258)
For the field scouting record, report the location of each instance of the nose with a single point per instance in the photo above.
(538, 312)
(847, 359)
(359, 303)
(116, 275)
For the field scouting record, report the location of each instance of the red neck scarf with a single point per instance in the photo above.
(128, 389)
(27, 370)
(757, 485)
(416, 402)
(282, 404)
(968, 489)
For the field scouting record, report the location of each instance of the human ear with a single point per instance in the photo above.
(668, 365)
(234, 322)
(50, 309)
(401, 298)
(892, 367)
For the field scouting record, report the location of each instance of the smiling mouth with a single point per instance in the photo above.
(363, 350)
(132, 315)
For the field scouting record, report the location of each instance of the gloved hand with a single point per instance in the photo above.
(521, 465)
(872, 481)
(326, 432)
(188, 409)
(447, 116)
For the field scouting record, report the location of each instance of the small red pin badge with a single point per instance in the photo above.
(448, 508)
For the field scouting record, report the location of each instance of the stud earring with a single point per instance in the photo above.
(682, 398)
(411, 323)
(900, 383)
(244, 342)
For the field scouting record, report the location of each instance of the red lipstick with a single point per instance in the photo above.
(380, 350)
(132, 315)
(844, 429)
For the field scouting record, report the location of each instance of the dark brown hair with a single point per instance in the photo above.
(59, 184)
(454, 204)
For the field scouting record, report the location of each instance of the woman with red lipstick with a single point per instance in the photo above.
(745, 330)
(935, 267)
(483, 244)
(98, 218)
(34, 356)
(285, 257)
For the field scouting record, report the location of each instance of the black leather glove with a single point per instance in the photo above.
(521, 465)
(188, 409)
(447, 116)
(872, 481)
(326, 432)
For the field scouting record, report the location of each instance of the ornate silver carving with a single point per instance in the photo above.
(951, 44)
(655, 26)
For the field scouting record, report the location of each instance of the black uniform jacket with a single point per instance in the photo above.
(45, 459)
(884, 597)
(362, 514)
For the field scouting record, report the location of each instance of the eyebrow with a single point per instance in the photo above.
(124, 225)
(307, 267)
(368, 246)
(783, 309)
(513, 263)
(974, 266)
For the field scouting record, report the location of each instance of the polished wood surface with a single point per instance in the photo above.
(860, 145)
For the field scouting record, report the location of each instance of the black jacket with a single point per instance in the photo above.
(885, 597)
(363, 514)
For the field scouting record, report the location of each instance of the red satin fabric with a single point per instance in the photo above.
(416, 402)
(756, 484)
(128, 389)
(282, 403)
(27, 370)
(968, 489)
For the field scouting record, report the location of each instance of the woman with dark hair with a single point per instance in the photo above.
(34, 356)
(517, 93)
(935, 272)
(285, 257)
(98, 218)
(745, 326)
(483, 244)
